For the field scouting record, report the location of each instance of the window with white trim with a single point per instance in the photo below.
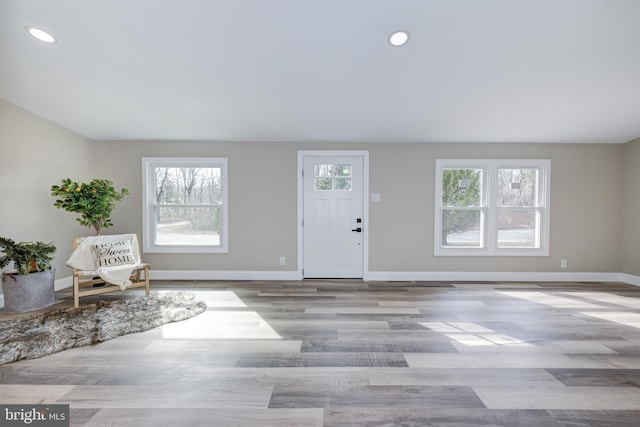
(492, 207)
(185, 205)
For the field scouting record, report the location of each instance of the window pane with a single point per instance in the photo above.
(323, 170)
(517, 187)
(191, 226)
(461, 187)
(330, 177)
(511, 201)
(187, 185)
(185, 205)
(461, 228)
(517, 228)
(342, 170)
(324, 184)
(343, 184)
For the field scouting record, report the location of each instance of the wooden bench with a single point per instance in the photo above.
(84, 282)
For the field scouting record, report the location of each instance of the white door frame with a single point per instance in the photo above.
(365, 202)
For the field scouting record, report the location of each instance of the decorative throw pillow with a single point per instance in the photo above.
(114, 253)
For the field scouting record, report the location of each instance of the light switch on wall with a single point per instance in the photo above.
(375, 198)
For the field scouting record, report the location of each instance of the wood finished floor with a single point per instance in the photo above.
(341, 353)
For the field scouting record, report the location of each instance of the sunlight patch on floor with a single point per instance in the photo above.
(215, 298)
(221, 324)
(551, 300)
(608, 298)
(621, 317)
(472, 334)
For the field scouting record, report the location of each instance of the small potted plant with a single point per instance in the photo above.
(29, 285)
(94, 201)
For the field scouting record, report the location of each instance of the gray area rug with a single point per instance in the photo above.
(47, 333)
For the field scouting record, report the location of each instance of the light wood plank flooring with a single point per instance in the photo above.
(341, 353)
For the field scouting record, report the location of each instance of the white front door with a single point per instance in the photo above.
(333, 216)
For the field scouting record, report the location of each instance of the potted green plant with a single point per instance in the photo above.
(29, 285)
(94, 201)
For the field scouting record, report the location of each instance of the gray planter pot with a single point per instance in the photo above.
(28, 293)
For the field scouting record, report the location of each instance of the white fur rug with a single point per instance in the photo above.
(39, 335)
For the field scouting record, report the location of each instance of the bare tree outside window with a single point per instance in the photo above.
(517, 207)
(492, 207)
(188, 202)
(461, 201)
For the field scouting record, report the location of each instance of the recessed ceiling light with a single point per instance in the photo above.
(41, 35)
(399, 38)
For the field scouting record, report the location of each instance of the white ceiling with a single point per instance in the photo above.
(323, 70)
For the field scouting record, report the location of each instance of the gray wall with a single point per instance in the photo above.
(630, 242)
(593, 196)
(262, 200)
(35, 155)
(586, 195)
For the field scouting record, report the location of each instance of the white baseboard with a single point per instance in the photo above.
(390, 276)
(404, 276)
(65, 282)
(630, 279)
(223, 275)
(496, 276)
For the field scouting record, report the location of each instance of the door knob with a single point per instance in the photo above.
(357, 230)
